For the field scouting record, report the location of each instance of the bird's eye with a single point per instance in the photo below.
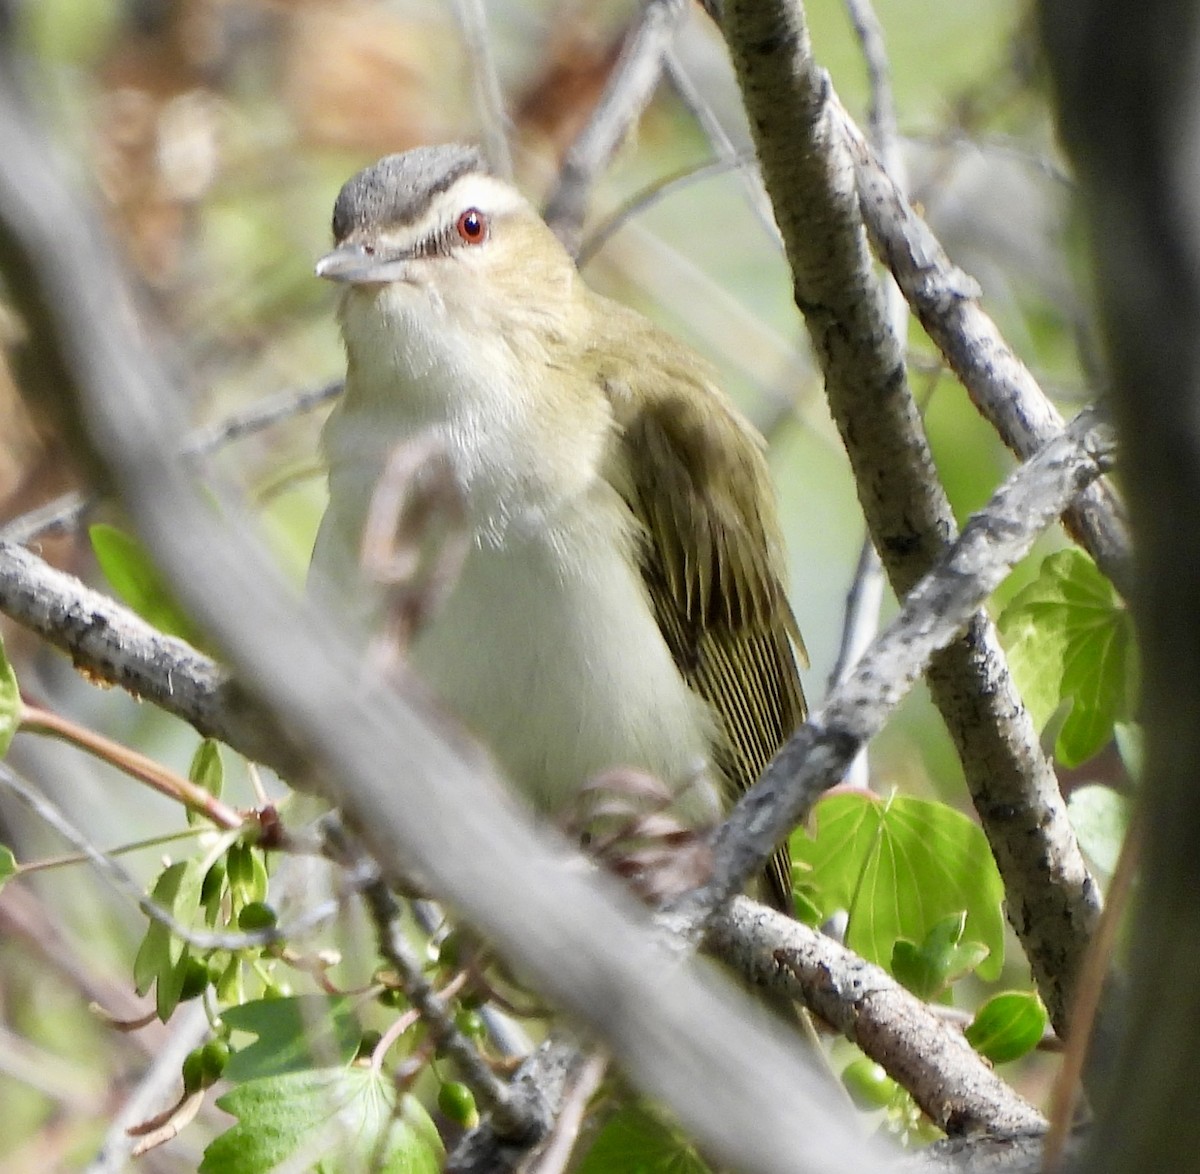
(472, 227)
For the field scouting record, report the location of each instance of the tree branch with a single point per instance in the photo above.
(1001, 387)
(108, 642)
(951, 1082)
(626, 95)
(810, 175)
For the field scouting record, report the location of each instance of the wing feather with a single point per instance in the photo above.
(694, 476)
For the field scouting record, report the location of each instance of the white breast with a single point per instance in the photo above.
(546, 648)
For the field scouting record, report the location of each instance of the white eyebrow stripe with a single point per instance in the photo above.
(489, 195)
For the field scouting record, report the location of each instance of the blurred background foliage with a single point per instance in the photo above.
(215, 135)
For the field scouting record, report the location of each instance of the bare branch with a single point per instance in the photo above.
(65, 512)
(651, 195)
(701, 110)
(123, 883)
(1001, 387)
(809, 172)
(953, 1084)
(881, 117)
(513, 1116)
(160, 1081)
(110, 643)
(627, 94)
(548, 1075)
(489, 99)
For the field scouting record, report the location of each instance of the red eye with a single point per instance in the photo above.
(472, 226)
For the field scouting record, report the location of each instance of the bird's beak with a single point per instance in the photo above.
(359, 264)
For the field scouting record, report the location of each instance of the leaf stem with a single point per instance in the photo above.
(43, 721)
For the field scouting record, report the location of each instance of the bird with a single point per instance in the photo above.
(622, 602)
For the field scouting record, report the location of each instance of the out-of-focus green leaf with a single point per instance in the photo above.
(336, 1119)
(247, 871)
(1131, 742)
(133, 576)
(207, 771)
(293, 1034)
(898, 867)
(1007, 1026)
(635, 1139)
(1100, 817)
(1070, 639)
(10, 702)
(8, 864)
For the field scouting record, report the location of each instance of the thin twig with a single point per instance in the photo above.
(125, 884)
(65, 512)
(628, 92)
(865, 597)
(881, 116)
(650, 195)
(861, 622)
(1001, 387)
(563, 1138)
(512, 1115)
(1068, 1085)
(258, 416)
(489, 99)
(701, 110)
(166, 782)
(188, 1029)
(549, 1074)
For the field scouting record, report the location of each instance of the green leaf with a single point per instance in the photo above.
(637, 1141)
(247, 870)
(336, 1119)
(1007, 1026)
(162, 958)
(10, 702)
(133, 576)
(1131, 742)
(898, 867)
(1070, 640)
(1100, 817)
(293, 1034)
(207, 771)
(942, 958)
(8, 864)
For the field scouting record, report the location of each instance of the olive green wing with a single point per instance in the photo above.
(697, 482)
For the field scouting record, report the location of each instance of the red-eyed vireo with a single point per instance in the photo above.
(622, 603)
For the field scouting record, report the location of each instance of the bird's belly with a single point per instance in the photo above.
(547, 649)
